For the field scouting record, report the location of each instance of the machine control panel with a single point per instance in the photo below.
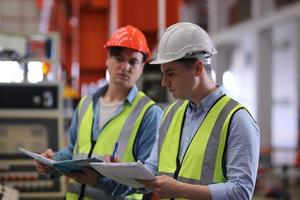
(14, 96)
(31, 117)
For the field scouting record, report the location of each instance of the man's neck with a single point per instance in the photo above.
(202, 91)
(115, 94)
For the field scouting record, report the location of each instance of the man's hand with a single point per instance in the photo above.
(108, 158)
(88, 176)
(41, 168)
(163, 186)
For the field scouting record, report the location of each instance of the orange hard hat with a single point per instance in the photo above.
(129, 37)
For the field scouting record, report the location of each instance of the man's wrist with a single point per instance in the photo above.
(180, 190)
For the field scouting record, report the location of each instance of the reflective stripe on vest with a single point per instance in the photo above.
(202, 162)
(83, 106)
(167, 118)
(128, 128)
(122, 129)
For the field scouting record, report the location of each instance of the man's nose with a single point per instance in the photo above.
(164, 81)
(125, 65)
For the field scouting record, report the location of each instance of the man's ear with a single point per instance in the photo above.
(142, 67)
(106, 61)
(199, 66)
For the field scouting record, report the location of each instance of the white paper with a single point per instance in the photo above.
(38, 157)
(124, 173)
(64, 166)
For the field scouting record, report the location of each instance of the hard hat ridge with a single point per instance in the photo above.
(182, 39)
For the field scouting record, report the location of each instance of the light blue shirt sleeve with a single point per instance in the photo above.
(152, 163)
(241, 158)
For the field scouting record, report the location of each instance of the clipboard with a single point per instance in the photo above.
(125, 173)
(65, 166)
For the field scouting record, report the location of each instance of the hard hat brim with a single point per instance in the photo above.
(162, 61)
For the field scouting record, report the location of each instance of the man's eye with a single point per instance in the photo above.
(133, 63)
(119, 59)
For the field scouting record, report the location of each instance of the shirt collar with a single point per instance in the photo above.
(132, 94)
(208, 101)
(130, 97)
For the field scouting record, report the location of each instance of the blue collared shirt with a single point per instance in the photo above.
(241, 155)
(142, 147)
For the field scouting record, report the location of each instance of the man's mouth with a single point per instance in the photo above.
(123, 76)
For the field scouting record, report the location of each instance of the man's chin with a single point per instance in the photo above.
(123, 83)
(177, 96)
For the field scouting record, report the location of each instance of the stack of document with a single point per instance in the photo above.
(125, 173)
(66, 166)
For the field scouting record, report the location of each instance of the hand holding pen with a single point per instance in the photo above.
(113, 157)
(114, 152)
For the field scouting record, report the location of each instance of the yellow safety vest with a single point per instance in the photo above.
(202, 162)
(122, 129)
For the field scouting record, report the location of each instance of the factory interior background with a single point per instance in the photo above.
(51, 54)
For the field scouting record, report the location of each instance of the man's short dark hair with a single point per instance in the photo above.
(189, 62)
(116, 51)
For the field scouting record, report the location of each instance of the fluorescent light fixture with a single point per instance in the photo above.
(35, 71)
(11, 71)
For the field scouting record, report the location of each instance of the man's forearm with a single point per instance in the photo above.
(189, 191)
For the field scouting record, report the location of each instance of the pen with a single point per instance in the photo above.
(114, 152)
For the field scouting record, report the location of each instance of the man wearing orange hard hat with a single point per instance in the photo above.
(117, 120)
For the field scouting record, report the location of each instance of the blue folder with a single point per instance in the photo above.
(64, 166)
(68, 166)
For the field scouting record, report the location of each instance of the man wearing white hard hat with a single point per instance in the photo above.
(208, 144)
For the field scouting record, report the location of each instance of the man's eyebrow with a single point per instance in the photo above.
(133, 59)
(167, 70)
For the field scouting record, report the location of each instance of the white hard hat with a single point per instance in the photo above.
(183, 39)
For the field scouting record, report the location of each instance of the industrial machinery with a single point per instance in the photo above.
(31, 112)
(30, 117)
